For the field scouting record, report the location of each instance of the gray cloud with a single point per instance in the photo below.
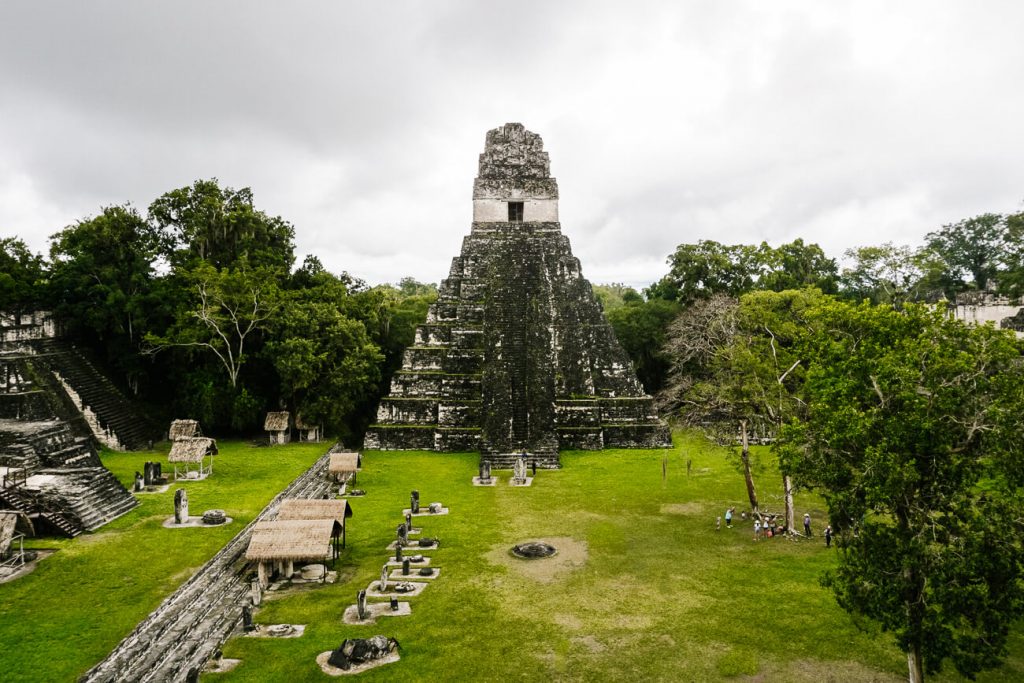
(666, 122)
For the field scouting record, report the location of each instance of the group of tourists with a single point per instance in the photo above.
(769, 526)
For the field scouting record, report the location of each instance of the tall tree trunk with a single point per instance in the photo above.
(787, 487)
(747, 476)
(914, 665)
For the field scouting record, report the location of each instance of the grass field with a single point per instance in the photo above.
(80, 602)
(643, 587)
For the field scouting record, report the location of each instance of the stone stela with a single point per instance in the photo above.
(181, 506)
(516, 354)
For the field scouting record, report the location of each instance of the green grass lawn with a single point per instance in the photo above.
(658, 594)
(644, 587)
(81, 601)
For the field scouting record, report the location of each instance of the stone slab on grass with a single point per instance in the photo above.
(397, 575)
(152, 489)
(12, 573)
(375, 610)
(194, 521)
(490, 482)
(424, 512)
(413, 545)
(426, 562)
(220, 666)
(267, 631)
(372, 592)
(322, 658)
(529, 482)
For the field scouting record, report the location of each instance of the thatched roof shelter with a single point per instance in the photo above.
(192, 449)
(292, 540)
(276, 422)
(344, 463)
(312, 508)
(183, 428)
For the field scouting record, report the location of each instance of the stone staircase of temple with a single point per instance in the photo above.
(114, 412)
(91, 496)
(32, 445)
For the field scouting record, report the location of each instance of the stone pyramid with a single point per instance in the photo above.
(516, 355)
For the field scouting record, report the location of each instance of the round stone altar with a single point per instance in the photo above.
(534, 550)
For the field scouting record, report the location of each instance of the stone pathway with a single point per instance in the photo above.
(189, 626)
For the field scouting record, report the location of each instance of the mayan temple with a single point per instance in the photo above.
(516, 355)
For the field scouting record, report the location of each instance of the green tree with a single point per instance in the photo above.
(641, 326)
(974, 247)
(221, 227)
(738, 372)
(909, 438)
(228, 308)
(615, 295)
(327, 363)
(1011, 280)
(22, 277)
(893, 274)
(698, 271)
(102, 285)
(796, 265)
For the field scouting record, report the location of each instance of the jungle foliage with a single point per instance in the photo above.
(195, 308)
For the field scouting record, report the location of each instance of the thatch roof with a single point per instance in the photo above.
(192, 449)
(276, 422)
(8, 520)
(291, 540)
(311, 508)
(182, 428)
(342, 463)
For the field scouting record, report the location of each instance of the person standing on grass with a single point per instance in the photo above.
(828, 536)
(728, 518)
(807, 525)
(757, 530)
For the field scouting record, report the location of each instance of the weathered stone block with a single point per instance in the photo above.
(582, 439)
(407, 411)
(456, 440)
(464, 414)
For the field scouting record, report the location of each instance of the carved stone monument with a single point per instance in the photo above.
(382, 586)
(359, 651)
(398, 553)
(361, 605)
(140, 482)
(247, 622)
(256, 592)
(181, 506)
(403, 534)
(516, 352)
(408, 522)
(405, 567)
(414, 502)
(519, 472)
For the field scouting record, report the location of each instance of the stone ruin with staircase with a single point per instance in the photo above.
(54, 407)
(516, 354)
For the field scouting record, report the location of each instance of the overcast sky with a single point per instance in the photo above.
(361, 123)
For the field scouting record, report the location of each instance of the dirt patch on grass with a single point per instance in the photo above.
(568, 621)
(814, 671)
(572, 554)
(682, 508)
(589, 643)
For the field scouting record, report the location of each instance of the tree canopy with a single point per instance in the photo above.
(908, 438)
